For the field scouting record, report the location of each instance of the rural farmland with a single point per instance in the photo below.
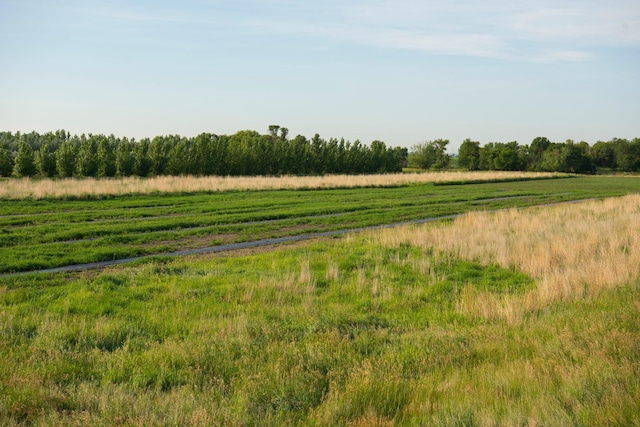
(513, 307)
(52, 232)
(332, 213)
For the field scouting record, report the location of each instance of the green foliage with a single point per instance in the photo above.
(141, 159)
(86, 164)
(24, 163)
(124, 158)
(469, 155)
(544, 155)
(575, 158)
(243, 153)
(627, 154)
(65, 159)
(6, 164)
(567, 157)
(251, 153)
(603, 154)
(158, 156)
(45, 162)
(536, 151)
(430, 154)
(501, 156)
(105, 159)
(178, 155)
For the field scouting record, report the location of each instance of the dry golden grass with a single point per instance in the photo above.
(53, 188)
(571, 250)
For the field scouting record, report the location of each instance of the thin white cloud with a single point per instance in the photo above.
(609, 24)
(127, 14)
(562, 30)
(399, 39)
(561, 56)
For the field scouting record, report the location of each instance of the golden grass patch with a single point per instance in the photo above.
(571, 250)
(54, 188)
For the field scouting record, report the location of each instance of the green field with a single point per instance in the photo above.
(51, 233)
(341, 331)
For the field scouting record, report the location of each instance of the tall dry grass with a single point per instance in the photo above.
(571, 250)
(55, 188)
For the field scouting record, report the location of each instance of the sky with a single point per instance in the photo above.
(402, 71)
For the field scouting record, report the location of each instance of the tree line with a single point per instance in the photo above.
(247, 152)
(542, 155)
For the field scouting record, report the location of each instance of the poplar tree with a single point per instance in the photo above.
(104, 159)
(45, 162)
(141, 161)
(24, 164)
(124, 158)
(65, 159)
(86, 160)
(6, 165)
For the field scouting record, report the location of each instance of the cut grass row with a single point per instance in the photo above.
(378, 328)
(65, 232)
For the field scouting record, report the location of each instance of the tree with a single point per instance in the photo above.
(422, 156)
(551, 159)
(105, 159)
(604, 154)
(318, 146)
(124, 158)
(469, 154)
(273, 131)
(301, 155)
(442, 158)
(486, 157)
(536, 151)
(376, 161)
(179, 158)
(356, 158)
(24, 164)
(506, 156)
(45, 162)
(6, 165)
(574, 158)
(158, 156)
(627, 154)
(204, 154)
(86, 158)
(65, 159)
(141, 160)
(430, 154)
(402, 153)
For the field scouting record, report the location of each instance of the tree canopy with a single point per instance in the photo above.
(617, 155)
(246, 152)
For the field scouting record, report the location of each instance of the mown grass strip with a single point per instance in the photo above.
(293, 237)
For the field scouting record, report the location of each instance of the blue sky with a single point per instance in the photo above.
(401, 71)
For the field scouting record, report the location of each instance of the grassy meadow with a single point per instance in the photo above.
(524, 316)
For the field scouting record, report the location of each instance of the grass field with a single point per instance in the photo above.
(39, 234)
(519, 317)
